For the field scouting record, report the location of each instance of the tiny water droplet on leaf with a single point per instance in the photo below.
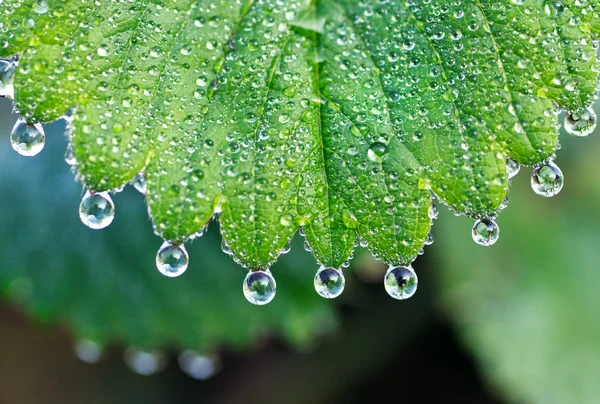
(97, 210)
(400, 282)
(172, 260)
(259, 287)
(27, 139)
(547, 180)
(485, 232)
(329, 282)
(197, 366)
(7, 74)
(512, 167)
(88, 351)
(145, 363)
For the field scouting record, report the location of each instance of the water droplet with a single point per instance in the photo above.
(88, 351)
(329, 282)
(547, 180)
(172, 260)
(512, 167)
(145, 363)
(429, 239)
(197, 366)
(7, 74)
(97, 210)
(433, 211)
(70, 156)
(259, 287)
(485, 232)
(139, 182)
(400, 282)
(27, 139)
(377, 152)
(581, 122)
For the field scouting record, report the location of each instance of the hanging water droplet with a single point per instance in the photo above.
(172, 259)
(485, 232)
(581, 122)
(503, 204)
(197, 366)
(512, 167)
(433, 211)
(70, 156)
(27, 139)
(400, 282)
(88, 351)
(377, 152)
(7, 74)
(145, 363)
(428, 239)
(329, 282)
(97, 210)
(259, 287)
(547, 180)
(139, 182)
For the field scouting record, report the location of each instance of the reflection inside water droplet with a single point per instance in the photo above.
(27, 139)
(581, 122)
(97, 210)
(547, 180)
(172, 260)
(259, 287)
(400, 282)
(485, 232)
(329, 282)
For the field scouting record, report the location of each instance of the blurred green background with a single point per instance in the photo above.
(518, 322)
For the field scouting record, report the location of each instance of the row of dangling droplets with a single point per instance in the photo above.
(97, 211)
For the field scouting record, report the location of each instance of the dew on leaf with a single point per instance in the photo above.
(400, 282)
(27, 139)
(429, 239)
(97, 210)
(7, 74)
(547, 180)
(433, 211)
(172, 260)
(485, 232)
(142, 362)
(259, 287)
(512, 167)
(88, 351)
(581, 122)
(329, 282)
(377, 152)
(139, 182)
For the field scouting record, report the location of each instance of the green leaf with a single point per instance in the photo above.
(104, 285)
(528, 310)
(337, 116)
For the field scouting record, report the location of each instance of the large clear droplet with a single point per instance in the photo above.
(88, 351)
(512, 167)
(143, 362)
(199, 367)
(97, 210)
(377, 152)
(329, 282)
(7, 74)
(27, 139)
(139, 183)
(485, 232)
(259, 287)
(547, 180)
(581, 122)
(172, 260)
(400, 282)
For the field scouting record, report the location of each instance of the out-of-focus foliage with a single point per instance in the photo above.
(105, 285)
(529, 307)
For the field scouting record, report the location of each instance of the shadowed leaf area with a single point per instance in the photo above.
(338, 116)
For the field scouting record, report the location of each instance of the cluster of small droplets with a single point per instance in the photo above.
(7, 73)
(329, 282)
(172, 260)
(581, 123)
(259, 287)
(547, 180)
(97, 210)
(27, 139)
(485, 232)
(400, 282)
